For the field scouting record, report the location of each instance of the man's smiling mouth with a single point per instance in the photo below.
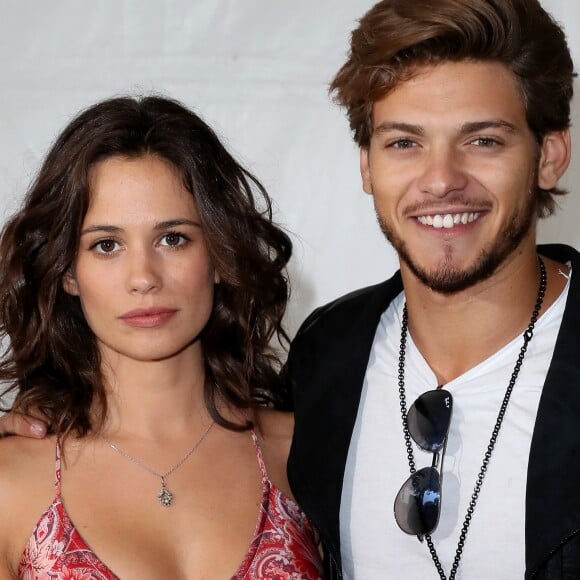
(448, 220)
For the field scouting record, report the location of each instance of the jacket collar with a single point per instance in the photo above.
(554, 464)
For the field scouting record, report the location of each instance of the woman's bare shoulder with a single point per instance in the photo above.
(26, 470)
(26, 490)
(275, 425)
(19, 455)
(275, 429)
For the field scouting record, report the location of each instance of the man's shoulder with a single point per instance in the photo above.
(368, 302)
(559, 252)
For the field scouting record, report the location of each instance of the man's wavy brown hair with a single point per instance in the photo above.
(396, 37)
(51, 361)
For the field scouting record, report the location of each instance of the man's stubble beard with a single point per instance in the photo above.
(448, 279)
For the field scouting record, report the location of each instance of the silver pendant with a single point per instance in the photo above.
(164, 496)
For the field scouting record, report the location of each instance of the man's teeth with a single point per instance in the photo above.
(448, 220)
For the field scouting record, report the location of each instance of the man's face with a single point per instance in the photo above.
(453, 166)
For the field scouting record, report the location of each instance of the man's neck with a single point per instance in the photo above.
(455, 332)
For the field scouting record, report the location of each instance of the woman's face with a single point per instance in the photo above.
(142, 272)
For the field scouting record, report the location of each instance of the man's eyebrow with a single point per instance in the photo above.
(478, 126)
(387, 126)
(111, 229)
(466, 128)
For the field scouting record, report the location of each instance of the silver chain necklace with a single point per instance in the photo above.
(527, 336)
(165, 496)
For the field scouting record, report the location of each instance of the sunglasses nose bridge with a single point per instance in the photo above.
(435, 462)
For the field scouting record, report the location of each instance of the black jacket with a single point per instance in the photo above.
(326, 368)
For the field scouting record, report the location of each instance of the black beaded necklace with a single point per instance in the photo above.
(527, 337)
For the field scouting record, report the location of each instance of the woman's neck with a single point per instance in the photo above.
(154, 399)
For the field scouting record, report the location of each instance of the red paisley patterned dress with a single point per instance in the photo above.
(283, 548)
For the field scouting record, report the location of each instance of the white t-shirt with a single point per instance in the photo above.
(372, 545)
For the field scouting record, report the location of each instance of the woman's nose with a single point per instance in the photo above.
(143, 274)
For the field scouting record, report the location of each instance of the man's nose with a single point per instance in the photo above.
(443, 172)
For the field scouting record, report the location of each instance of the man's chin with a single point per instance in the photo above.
(451, 275)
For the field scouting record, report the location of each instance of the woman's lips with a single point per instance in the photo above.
(147, 317)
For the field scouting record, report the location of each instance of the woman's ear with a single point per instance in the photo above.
(69, 284)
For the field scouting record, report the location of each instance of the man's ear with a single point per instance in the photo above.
(69, 284)
(554, 158)
(365, 171)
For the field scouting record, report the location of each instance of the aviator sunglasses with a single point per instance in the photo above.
(418, 503)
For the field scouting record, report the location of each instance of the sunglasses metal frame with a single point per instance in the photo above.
(422, 490)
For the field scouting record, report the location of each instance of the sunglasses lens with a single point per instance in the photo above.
(429, 417)
(417, 503)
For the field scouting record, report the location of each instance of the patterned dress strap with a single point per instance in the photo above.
(57, 470)
(265, 478)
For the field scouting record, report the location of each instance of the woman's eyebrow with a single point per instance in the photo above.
(101, 228)
(111, 229)
(176, 222)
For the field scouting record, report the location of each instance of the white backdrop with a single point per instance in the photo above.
(257, 71)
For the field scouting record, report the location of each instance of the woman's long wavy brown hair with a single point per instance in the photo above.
(51, 361)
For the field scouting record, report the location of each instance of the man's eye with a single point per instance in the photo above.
(485, 142)
(402, 144)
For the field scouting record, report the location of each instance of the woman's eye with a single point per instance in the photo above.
(173, 240)
(105, 246)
